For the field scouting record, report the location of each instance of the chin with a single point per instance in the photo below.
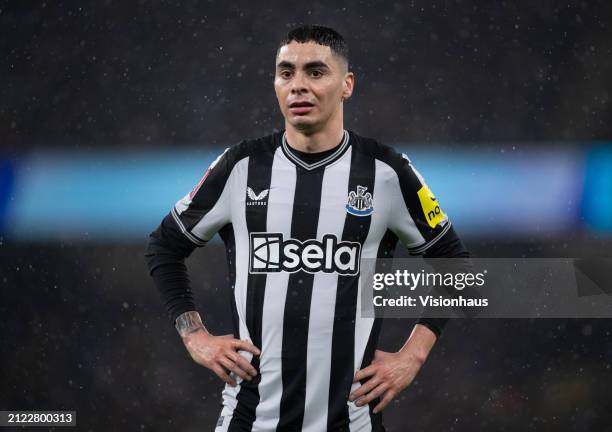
(307, 129)
(303, 124)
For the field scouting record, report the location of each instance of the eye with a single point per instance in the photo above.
(316, 73)
(285, 74)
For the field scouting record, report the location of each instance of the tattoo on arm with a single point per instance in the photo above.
(189, 322)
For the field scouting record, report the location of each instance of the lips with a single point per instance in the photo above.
(300, 104)
(300, 107)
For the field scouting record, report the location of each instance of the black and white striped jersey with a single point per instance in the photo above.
(295, 234)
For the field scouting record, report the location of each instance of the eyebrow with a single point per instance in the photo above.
(310, 65)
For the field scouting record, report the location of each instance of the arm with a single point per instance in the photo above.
(449, 246)
(191, 223)
(165, 256)
(424, 229)
(167, 267)
(392, 372)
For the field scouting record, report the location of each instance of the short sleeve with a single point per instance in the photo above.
(206, 208)
(417, 217)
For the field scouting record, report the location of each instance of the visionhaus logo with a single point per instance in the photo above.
(270, 253)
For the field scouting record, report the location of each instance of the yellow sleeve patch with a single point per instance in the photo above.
(432, 211)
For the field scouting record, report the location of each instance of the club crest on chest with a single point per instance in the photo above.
(360, 202)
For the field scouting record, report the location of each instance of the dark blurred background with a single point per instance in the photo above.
(108, 73)
(110, 112)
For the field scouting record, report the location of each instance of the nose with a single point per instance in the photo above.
(298, 84)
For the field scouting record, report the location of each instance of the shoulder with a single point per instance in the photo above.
(252, 146)
(384, 153)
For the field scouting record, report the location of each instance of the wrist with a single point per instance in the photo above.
(411, 354)
(188, 323)
(419, 344)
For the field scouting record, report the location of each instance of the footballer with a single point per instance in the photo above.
(297, 211)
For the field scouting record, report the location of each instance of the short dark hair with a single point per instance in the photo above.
(321, 35)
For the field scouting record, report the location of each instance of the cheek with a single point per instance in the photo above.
(279, 85)
(280, 93)
(330, 93)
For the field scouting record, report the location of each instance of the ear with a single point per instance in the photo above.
(347, 85)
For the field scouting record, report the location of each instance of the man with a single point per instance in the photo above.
(297, 211)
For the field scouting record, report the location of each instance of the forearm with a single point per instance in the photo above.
(172, 283)
(165, 256)
(419, 343)
(449, 246)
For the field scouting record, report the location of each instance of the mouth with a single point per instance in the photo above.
(300, 107)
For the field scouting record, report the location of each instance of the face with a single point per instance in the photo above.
(310, 84)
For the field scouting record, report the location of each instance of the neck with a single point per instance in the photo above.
(315, 141)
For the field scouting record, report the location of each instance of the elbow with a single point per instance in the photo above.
(166, 245)
(151, 253)
(158, 253)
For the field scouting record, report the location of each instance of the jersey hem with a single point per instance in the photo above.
(194, 239)
(422, 248)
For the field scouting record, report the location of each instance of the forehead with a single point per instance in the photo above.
(302, 53)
